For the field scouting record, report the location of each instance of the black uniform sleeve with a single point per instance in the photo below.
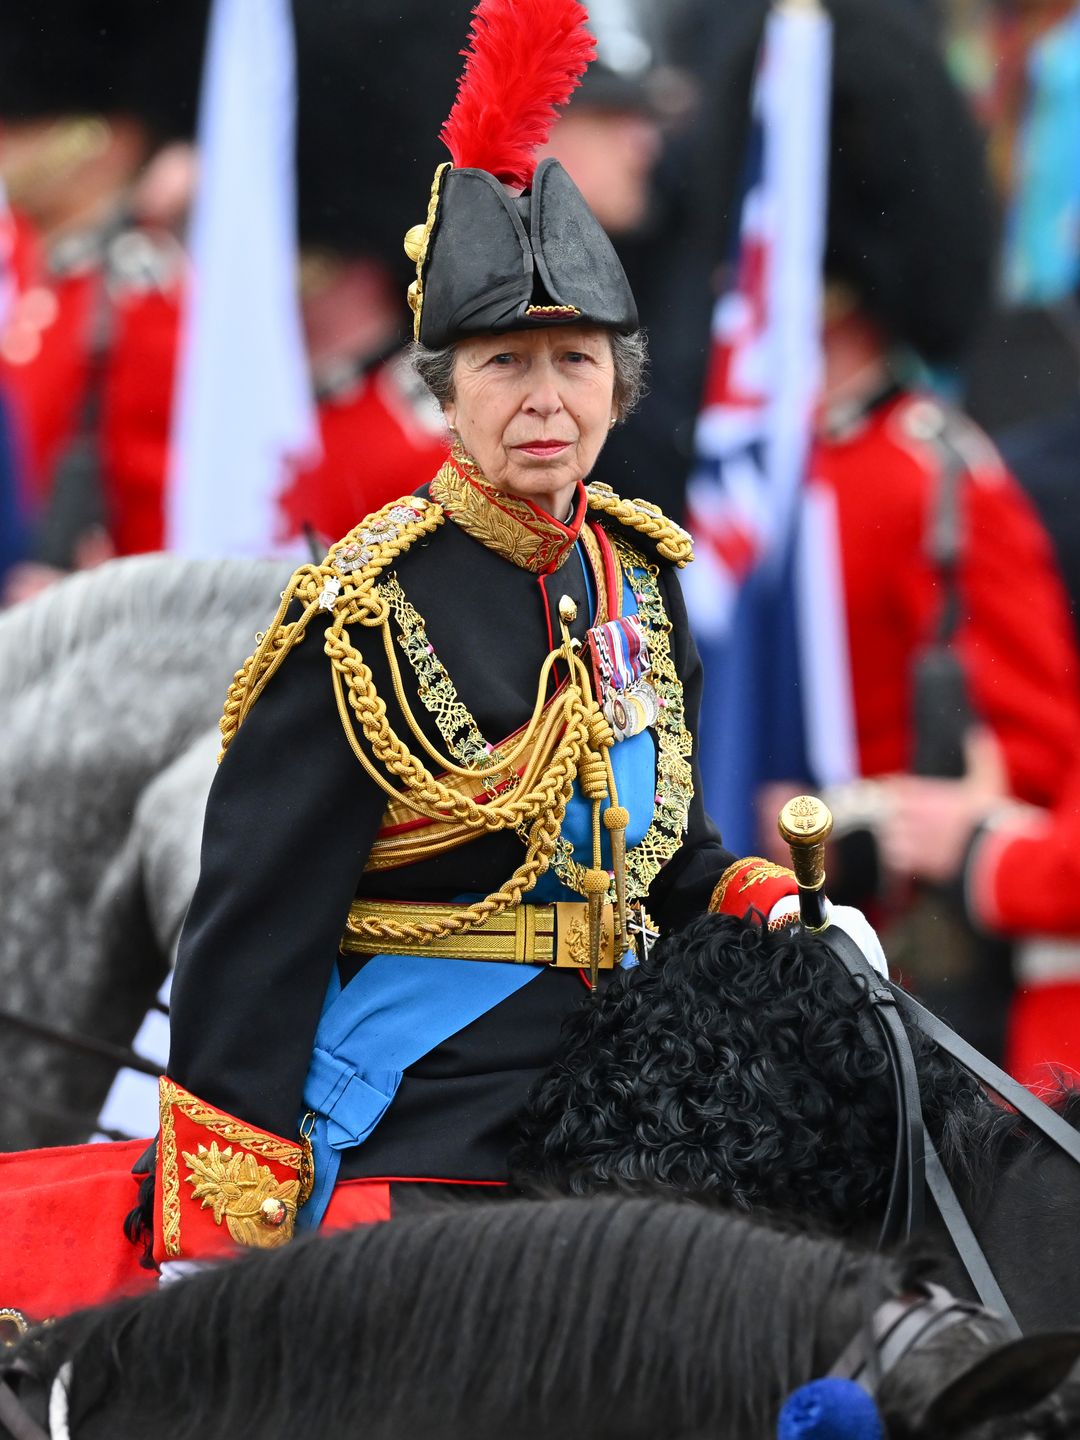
(682, 889)
(289, 822)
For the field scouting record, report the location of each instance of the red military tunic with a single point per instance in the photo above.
(1022, 878)
(1015, 635)
(43, 356)
(117, 292)
(1017, 643)
(382, 412)
(382, 436)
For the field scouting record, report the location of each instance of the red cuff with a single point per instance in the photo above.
(222, 1183)
(751, 887)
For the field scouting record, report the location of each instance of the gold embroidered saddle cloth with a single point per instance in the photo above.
(524, 934)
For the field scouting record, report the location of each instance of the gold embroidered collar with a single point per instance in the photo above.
(516, 529)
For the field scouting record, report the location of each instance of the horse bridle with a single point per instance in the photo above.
(918, 1166)
(897, 1328)
(51, 1400)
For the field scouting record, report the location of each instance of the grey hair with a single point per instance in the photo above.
(629, 353)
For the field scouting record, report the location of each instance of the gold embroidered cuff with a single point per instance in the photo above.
(222, 1183)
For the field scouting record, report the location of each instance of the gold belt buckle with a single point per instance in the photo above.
(572, 936)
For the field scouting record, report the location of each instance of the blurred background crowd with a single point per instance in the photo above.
(946, 445)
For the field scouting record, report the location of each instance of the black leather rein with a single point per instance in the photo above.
(918, 1165)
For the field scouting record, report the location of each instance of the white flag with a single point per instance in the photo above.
(244, 411)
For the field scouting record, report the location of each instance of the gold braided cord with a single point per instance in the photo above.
(274, 644)
(423, 792)
(486, 764)
(569, 735)
(672, 541)
(539, 800)
(381, 540)
(473, 757)
(543, 834)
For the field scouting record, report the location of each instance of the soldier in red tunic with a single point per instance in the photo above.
(86, 357)
(1018, 869)
(953, 604)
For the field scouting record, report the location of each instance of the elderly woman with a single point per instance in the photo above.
(459, 783)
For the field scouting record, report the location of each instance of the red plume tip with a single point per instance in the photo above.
(525, 57)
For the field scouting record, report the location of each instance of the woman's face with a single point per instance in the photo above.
(533, 408)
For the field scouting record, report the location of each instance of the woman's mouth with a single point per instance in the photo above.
(544, 449)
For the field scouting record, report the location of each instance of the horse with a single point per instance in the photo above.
(736, 1064)
(112, 685)
(619, 1317)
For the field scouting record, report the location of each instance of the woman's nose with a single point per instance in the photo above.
(543, 397)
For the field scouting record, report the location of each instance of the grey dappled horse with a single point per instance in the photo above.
(111, 684)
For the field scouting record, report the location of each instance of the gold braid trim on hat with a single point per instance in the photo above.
(417, 239)
(672, 542)
(561, 737)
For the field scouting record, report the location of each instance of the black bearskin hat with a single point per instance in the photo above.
(489, 258)
(104, 57)
(375, 79)
(911, 225)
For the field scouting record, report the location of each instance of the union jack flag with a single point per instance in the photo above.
(747, 500)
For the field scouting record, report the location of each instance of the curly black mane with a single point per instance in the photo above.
(732, 1064)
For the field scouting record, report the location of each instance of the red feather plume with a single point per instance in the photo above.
(525, 57)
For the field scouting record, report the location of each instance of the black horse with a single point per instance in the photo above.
(620, 1318)
(738, 1064)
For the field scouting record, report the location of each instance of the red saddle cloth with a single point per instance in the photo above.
(62, 1242)
(62, 1211)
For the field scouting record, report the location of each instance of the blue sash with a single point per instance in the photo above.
(398, 1008)
(391, 1014)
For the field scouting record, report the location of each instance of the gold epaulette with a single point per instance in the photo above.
(344, 582)
(355, 562)
(672, 541)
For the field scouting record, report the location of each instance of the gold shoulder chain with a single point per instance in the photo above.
(345, 578)
(672, 541)
(437, 690)
(675, 744)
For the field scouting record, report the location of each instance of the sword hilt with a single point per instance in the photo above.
(805, 823)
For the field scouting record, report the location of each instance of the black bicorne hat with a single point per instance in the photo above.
(489, 259)
(497, 262)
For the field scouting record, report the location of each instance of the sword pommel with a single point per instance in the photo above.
(805, 823)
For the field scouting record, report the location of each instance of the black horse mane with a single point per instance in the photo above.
(977, 1144)
(737, 1063)
(608, 1318)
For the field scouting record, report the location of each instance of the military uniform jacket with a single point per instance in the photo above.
(292, 819)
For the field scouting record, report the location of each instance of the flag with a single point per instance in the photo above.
(762, 594)
(244, 413)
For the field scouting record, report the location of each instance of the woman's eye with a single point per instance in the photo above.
(504, 358)
(577, 356)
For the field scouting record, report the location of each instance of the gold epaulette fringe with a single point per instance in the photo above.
(672, 541)
(344, 581)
